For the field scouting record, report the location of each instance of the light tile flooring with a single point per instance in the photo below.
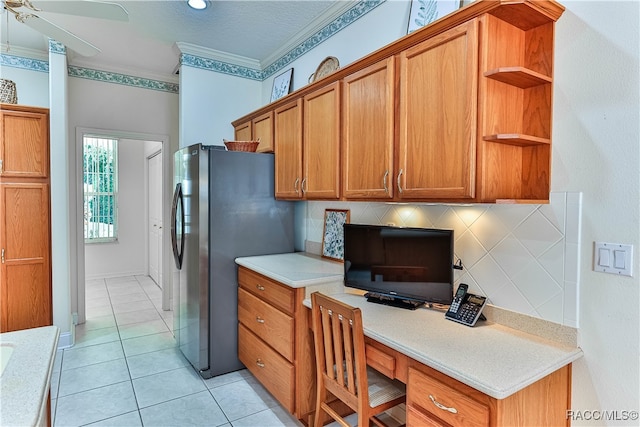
(125, 370)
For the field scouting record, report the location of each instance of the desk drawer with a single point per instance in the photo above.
(274, 293)
(381, 361)
(416, 418)
(436, 399)
(273, 371)
(270, 324)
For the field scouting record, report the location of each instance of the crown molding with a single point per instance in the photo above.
(334, 12)
(217, 55)
(24, 52)
(79, 62)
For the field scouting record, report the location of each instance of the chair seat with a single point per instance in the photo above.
(383, 389)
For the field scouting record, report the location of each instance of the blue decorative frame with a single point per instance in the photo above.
(333, 233)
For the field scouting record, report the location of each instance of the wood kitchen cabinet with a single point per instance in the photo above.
(457, 111)
(368, 113)
(288, 146)
(321, 143)
(434, 399)
(307, 146)
(257, 129)
(515, 108)
(275, 340)
(242, 132)
(438, 86)
(25, 218)
(436, 146)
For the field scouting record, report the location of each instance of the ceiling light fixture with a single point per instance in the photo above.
(197, 4)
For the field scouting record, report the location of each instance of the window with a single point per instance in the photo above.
(100, 166)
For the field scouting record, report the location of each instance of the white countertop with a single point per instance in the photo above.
(297, 270)
(25, 382)
(489, 357)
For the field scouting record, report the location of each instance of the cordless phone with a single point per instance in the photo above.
(466, 308)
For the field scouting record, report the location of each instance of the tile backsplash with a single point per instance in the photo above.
(523, 258)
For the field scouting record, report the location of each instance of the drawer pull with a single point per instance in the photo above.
(259, 287)
(441, 406)
(260, 363)
(259, 319)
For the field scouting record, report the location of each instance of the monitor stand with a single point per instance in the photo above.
(395, 301)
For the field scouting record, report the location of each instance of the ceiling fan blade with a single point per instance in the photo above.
(92, 9)
(59, 34)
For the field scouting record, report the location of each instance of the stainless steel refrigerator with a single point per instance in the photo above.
(223, 208)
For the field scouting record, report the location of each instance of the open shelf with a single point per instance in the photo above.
(518, 76)
(517, 139)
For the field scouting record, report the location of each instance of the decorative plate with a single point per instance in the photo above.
(327, 66)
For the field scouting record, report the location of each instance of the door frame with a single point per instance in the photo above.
(148, 156)
(78, 307)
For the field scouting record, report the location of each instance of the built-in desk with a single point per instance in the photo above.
(491, 374)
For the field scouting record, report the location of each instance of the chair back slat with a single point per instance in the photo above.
(338, 347)
(349, 353)
(328, 342)
(342, 346)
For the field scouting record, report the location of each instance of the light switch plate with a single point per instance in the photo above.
(613, 258)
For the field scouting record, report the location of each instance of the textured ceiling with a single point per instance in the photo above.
(250, 29)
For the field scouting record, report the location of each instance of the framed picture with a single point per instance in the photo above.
(333, 233)
(424, 12)
(282, 85)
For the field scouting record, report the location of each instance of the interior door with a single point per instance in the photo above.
(155, 217)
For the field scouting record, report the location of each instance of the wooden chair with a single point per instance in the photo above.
(341, 365)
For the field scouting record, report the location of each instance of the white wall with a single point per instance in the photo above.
(596, 151)
(210, 101)
(32, 87)
(126, 256)
(381, 26)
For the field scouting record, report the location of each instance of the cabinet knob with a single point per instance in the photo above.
(259, 319)
(260, 363)
(259, 287)
(304, 181)
(295, 185)
(3, 255)
(441, 406)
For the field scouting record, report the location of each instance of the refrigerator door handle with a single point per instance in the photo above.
(177, 226)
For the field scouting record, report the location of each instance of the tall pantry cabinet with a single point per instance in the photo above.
(25, 218)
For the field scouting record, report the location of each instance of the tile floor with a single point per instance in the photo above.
(125, 370)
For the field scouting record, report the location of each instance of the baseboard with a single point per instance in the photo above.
(67, 339)
(112, 275)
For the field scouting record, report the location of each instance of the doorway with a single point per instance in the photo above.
(151, 161)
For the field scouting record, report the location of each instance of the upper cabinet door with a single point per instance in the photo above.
(438, 115)
(288, 150)
(263, 132)
(24, 143)
(242, 132)
(368, 132)
(322, 143)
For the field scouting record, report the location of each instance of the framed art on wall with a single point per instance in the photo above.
(333, 233)
(424, 12)
(282, 85)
